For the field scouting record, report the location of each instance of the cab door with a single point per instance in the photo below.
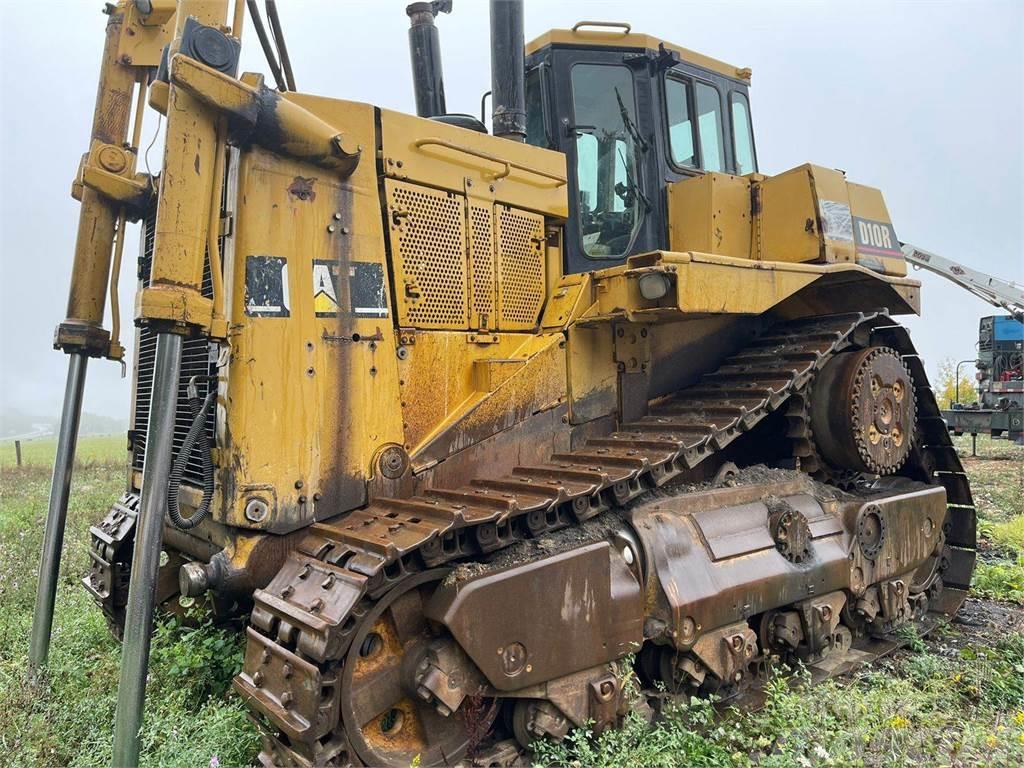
(599, 113)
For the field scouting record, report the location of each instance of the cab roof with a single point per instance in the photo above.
(620, 35)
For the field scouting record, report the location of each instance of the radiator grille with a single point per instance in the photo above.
(198, 358)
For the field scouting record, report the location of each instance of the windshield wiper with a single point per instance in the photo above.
(627, 121)
(632, 186)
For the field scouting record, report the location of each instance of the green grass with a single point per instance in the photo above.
(67, 718)
(921, 710)
(997, 483)
(937, 707)
(105, 449)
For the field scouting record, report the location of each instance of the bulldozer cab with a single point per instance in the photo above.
(632, 114)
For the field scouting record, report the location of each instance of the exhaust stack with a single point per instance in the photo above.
(425, 52)
(508, 88)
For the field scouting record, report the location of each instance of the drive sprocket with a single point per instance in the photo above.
(863, 410)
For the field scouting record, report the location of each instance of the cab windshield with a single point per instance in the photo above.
(607, 158)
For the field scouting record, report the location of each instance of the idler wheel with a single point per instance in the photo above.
(863, 411)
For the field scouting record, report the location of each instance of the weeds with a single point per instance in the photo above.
(67, 717)
(1000, 579)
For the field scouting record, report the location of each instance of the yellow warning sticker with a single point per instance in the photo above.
(325, 288)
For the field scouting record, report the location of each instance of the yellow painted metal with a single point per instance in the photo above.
(146, 35)
(82, 328)
(786, 224)
(710, 213)
(535, 178)
(868, 203)
(276, 119)
(456, 393)
(592, 372)
(706, 284)
(804, 215)
(174, 293)
(624, 38)
(308, 395)
(831, 189)
(567, 295)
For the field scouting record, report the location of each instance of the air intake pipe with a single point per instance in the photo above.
(425, 52)
(508, 89)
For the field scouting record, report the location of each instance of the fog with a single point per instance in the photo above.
(921, 99)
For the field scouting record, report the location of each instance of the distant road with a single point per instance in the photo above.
(30, 435)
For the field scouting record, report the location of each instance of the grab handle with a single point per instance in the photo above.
(609, 24)
(508, 164)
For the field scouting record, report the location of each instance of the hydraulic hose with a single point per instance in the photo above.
(196, 435)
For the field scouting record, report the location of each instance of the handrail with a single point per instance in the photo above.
(509, 164)
(612, 24)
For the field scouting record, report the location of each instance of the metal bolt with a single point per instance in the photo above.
(298, 484)
(330, 228)
(337, 216)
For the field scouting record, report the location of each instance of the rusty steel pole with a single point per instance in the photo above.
(138, 625)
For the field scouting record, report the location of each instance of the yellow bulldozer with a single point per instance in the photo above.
(491, 433)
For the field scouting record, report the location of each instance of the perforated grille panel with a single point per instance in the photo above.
(428, 244)
(481, 259)
(460, 265)
(521, 268)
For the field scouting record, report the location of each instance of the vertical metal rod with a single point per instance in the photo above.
(56, 515)
(131, 691)
(974, 443)
(956, 376)
(17, 451)
(508, 70)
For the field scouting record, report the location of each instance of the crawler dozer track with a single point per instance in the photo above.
(345, 573)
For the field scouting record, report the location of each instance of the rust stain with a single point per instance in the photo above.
(302, 189)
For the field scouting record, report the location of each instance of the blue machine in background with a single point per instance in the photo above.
(1000, 382)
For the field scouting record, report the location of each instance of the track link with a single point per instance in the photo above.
(303, 622)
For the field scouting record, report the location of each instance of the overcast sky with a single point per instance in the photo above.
(922, 99)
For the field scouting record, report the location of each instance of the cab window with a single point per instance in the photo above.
(536, 134)
(742, 134)
(680, 126)
(709, 123)
(607, 159)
